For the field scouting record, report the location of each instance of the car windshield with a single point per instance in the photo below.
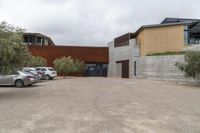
(50, 69)
(20, 72)
(42, 69)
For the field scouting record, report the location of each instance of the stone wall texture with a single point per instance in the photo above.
(162, 68)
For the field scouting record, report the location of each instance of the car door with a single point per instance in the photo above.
(6, 80)
(1, 80)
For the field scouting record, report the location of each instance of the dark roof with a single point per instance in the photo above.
(194, 24)
(153, 26)
(40, 35)
(174, 20)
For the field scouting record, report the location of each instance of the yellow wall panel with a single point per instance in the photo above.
(161, 39)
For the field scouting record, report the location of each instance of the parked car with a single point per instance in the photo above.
(18, 79)
(38, 73)
(50, 73)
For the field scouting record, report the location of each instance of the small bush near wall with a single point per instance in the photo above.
(191, 67)
(66, 66)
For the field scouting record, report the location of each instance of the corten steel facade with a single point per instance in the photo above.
(123, 40)
(94, 57)
(86, 54)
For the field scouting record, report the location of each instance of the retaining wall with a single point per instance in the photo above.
(162, 68)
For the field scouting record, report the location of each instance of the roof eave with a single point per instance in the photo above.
(159, 25)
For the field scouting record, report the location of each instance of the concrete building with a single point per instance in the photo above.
(127, 52)
(123, 54)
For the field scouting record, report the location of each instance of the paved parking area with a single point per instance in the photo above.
(100, 105)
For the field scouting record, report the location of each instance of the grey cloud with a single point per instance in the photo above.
(86, 22)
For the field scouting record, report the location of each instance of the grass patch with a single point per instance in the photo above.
(167, 53)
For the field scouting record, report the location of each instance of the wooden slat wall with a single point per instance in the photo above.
(161, 39)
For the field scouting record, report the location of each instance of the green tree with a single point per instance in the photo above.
(13, 53)
(64, 65)
(36, 61)
(79, 66)
(191, 67)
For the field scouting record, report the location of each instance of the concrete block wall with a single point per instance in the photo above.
(130, 52)
(162, 68)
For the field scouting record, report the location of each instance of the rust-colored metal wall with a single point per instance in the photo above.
(123, 40)
(86, 54)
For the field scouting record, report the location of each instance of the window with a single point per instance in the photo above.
(25, 39)
(186, 35)
(50, 69)
(39, 39)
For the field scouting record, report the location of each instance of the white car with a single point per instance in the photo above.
(37, 73)
(50, 73)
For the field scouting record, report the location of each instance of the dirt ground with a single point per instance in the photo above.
(100, 105)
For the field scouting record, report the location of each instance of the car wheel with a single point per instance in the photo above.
(19, 83)
(47, 77)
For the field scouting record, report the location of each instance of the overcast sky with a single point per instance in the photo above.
(92, 22)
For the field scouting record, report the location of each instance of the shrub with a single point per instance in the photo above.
(191, 67)
(67, 65)
(64, 65)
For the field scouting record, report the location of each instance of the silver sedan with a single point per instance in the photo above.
(18, 79)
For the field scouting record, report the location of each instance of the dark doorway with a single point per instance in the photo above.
(125, 68)
(135, 68)
(96, 70)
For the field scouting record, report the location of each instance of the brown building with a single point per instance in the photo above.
(96, 58)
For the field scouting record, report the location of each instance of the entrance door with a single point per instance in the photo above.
(124, 68)
(135, 69)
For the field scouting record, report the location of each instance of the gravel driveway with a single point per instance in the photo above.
(100, 105)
